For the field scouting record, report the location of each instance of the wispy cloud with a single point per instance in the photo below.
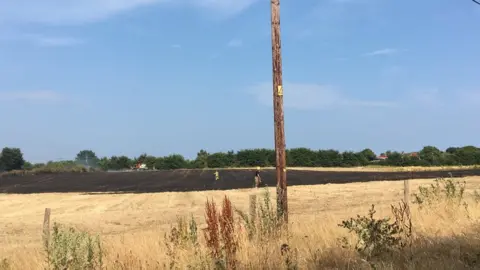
(471, 98)
(44, 41)
(386, 51)
(350, 1)
(36, 96)
(235, 43)
(176, 46)
(436, 98)
(58, 41)
(331, 19)
(312, 97)
(225, 7)
(65, 12)
(86, 11)
(431, 98)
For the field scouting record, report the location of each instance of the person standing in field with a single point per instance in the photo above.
(258, 179)
(215, 180)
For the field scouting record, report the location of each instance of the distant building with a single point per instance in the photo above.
(382, 157)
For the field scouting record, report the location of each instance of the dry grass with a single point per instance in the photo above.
(132, 227)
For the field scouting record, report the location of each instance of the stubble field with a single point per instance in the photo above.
(132, 226)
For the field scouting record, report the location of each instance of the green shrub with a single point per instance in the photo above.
(379, 236)
(68, 248)
(442, 189)
(181, 236)
(264, 224)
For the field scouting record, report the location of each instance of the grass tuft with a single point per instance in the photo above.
(434, 232)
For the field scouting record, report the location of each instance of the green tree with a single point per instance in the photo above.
(350, 159)
(432, 155)
(104, 163)
(27, 165)
(452, 150)
(160, 163)
(369, 154)
(301, 157)
(256, 157)
(141, 158)
(202, 160)
(362, 159)
(150, 162)
(468, 155)
(218, 160)
(231, 159)
(11, 159)
(395, 158)
(120, 163)
(87, 158)
(175, 161)
(329, 158)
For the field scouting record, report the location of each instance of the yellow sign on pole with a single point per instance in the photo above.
(280, 90)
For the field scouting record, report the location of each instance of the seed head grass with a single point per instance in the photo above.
(347, 226)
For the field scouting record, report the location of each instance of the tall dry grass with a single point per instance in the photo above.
(444, 231)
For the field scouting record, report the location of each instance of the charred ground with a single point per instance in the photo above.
(194, 180)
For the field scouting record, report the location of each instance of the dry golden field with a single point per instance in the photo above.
(132, 227)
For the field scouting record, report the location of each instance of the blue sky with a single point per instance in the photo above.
(176, 76)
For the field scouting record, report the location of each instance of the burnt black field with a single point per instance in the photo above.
(194, 180)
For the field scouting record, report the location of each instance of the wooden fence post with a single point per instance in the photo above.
(253, 207)
(46, 227)
(406, 191)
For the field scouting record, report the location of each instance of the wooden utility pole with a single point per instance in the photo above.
(46, 227)
(282, 202)
(406, 191)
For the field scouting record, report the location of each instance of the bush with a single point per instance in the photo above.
(442, 190)
(181, 236)
(379, 236)
(68, 248)
(264, 223)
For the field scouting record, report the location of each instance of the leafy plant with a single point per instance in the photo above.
(264, 222)
(441, 190)
(70, 249)
(403, 218)
(180, 236)
(374, 236)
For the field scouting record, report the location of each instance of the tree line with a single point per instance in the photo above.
(12, 159)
